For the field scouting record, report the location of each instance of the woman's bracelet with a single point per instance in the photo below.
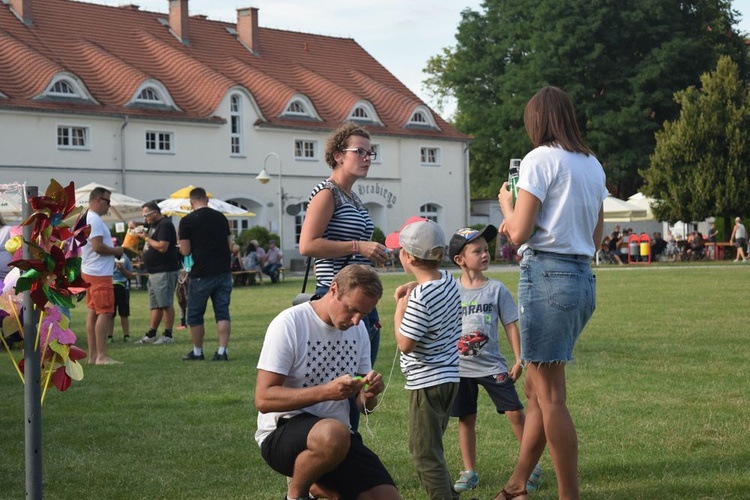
(355, 247)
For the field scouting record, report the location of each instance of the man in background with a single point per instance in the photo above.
(97, 267)
(162, 261)
(273, 261)
(205, 233)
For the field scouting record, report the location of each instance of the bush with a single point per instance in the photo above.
(259, 233)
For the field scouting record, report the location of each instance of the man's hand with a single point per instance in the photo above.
(344, 387)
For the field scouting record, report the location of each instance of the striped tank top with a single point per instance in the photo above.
(350, 221)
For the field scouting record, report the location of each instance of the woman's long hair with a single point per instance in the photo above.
(551, 121)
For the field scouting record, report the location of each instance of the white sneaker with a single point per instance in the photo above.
(164, 340)
(146, 340)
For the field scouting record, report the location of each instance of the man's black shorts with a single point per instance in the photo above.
(360, 471)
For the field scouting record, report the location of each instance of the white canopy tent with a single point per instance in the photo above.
(121, 208)
(644, 202)
(617, 210)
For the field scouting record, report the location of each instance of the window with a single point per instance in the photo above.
(422, 118)
(63, 88)
(159, 142)
(296, 108)
(299, 107)
(235, 113)
(429, 156)
(72, 137)
(429, 211)
(361, 113)
(149, 95)
(376, 149)
(239, 224)
(305, 150)
(298, 220)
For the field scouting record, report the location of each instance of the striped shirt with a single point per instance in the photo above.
(350, 221)
(433, 319)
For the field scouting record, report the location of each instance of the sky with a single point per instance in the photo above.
(402, 36)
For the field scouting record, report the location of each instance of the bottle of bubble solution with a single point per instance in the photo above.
(515, 164)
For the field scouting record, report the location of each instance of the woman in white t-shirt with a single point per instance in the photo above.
(558, 223)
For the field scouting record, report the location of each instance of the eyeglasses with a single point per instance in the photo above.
(363, 153)
(148, 214)
(109, 202)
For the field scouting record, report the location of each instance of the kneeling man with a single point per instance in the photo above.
(315, 356)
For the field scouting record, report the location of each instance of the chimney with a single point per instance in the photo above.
(22, 9)
(178, 19)
(247, 28)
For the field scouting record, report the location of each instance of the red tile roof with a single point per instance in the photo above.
(114, 50)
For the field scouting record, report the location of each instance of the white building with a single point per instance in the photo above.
(151, 102)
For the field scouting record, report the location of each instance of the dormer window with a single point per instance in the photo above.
(364, 112)
(62, 88)
(152, 93)
(66, 86)
(421, 117)
(300, 107)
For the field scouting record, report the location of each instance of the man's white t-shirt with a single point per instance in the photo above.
(310, 353)
(93, 263)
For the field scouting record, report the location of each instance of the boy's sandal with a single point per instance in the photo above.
(508, 496)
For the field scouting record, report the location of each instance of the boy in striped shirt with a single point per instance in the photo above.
(428, 325)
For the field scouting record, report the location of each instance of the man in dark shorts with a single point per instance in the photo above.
(205, 233)
(315, 356)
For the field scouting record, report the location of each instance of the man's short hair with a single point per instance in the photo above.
(152, 206)
(359, 276)
(198, 194)
(98, 192)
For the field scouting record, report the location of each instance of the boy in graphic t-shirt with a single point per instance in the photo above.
(427, 324)
(484, 303)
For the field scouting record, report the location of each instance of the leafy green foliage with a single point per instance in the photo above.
(259, 233)
(701, 164)
(621, 64)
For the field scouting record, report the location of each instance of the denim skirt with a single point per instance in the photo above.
(556, 298)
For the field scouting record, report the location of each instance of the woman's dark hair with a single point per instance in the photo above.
(251, 248)
(337, 141)
(551, 121)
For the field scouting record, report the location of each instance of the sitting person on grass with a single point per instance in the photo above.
(302, 393)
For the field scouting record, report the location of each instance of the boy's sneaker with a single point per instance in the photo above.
(220, 357)
(146, 340)
(536, 475)
(110, 339)
(192, 357)
(163, 340)
(126, 338)
(467, 480)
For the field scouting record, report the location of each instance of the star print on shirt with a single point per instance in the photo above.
(329, 361)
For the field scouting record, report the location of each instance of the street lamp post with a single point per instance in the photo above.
(263, 178)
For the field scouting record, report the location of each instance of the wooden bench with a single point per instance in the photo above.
(242, 277)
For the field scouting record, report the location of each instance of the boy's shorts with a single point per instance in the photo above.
(122, 301)
(360, 471)
(100, 296)
(500, 388)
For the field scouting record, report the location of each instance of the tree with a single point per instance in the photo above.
(620, 62)
(701, 164)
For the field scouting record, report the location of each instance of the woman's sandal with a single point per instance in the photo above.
(509, 496)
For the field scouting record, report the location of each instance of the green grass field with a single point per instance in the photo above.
(659, 393)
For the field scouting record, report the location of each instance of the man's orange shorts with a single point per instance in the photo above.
(100, 296)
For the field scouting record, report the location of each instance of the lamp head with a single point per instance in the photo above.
(263, 176)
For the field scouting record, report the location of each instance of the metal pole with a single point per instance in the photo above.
(32, 377)
(281, 197)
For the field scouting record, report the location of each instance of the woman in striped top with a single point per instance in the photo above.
(337, 230)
